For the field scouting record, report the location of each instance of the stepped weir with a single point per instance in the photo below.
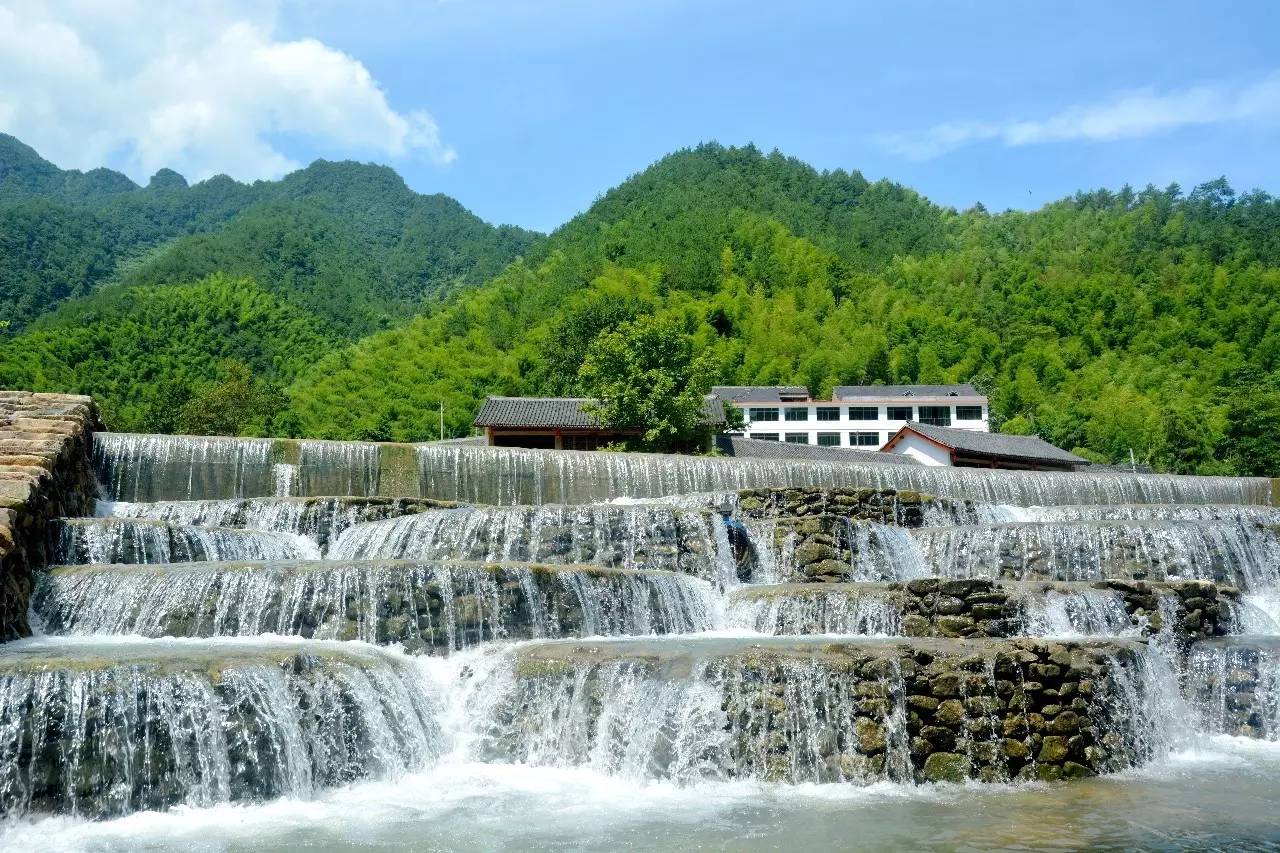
(198, 622)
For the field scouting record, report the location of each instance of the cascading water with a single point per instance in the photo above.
(788, 550)
(651, 624)
(501, 475)
(1246, 515)
(422, 605)
(1235, 685)
(630, 537)
(793, 711)
(789, 609)
(172, 467)
(317, 518)
(1095, 550)
(336, 468)
(104, 728)
(120, 540)
(1075, 613)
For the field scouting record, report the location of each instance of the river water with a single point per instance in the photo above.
(1217, 795)
(243, 651)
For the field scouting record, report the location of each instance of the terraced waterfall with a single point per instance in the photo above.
(260, 644)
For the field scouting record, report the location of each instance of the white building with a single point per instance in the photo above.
(864, 417)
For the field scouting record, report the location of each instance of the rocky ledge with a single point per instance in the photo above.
(862, 710)
(1184, 611)
(45, 473)
(883, 506)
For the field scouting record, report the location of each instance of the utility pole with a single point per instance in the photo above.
(442, 420)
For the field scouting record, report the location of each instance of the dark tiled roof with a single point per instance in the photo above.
(754, 448)
(1028, 447)
(758, 393)
(560, 412)
(856, 392)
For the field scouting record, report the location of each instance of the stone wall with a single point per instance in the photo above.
(45, 473)
(863, 711)
(1185, 611)
(425, 606)
(939, 607)
(818, 548)
(884, 506)
(1234, 684)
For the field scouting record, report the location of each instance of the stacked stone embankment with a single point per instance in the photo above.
(852, 710)
(882, 506)
(45, 473)
(976, 607)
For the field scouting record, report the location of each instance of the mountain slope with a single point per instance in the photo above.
(142, 351)
(349, 241)
(1108, 322)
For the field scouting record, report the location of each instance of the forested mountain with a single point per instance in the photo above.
(143, 352)
(348, 241)
(1147, 320)
(1106, 322)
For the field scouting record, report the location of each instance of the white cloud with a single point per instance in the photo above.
(1133, 114)
(199, 87)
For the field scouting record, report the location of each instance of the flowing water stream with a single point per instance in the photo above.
(253, 645)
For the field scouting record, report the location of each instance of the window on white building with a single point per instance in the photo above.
(762, 414)
(797, 414)
(898, 413)
(765, 436)
(828, 413)
(797, 438)
(968, 413)
(828, 439)
(935, 415)
(864, 413)
(864, 439)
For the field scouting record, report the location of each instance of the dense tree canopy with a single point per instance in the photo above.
(1110, 322)
(644, 375)
(144, 352)
(349, 242)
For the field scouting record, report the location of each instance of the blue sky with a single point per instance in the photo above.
(526, 111)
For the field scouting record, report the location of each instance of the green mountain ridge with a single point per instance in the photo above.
(1145, 320)
(394, 248)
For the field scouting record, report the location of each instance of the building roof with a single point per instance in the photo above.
(1027, 447)
(760, 393)
(860, 392)
(561, 412)
(754, 448)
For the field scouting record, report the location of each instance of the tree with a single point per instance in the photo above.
(1252, 443)
(644, 376)
(237, 405)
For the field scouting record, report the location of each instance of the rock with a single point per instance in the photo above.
(1071, 770)
(1054, 749)
(956, 626)
(947, 767)
(945, 684)
(870, 735)
(1045, 671)
(1015, 748)
(922, 703)
(950, 713)
(949, 605)
(915, 625)
(1048, 773)
(1067, 722)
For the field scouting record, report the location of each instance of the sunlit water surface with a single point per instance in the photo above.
(1222, 795)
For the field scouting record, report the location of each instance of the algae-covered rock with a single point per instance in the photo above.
(950, 713)
(1054, 749)
(947, 767)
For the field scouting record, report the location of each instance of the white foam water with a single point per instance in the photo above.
(122, 540)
